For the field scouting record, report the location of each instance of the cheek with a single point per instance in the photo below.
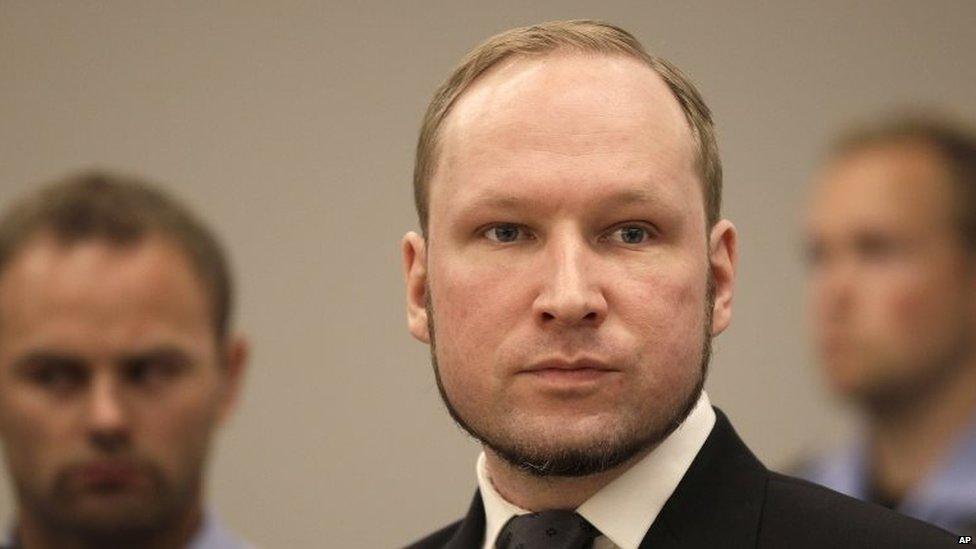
(482, 321)
(670, 303)
(176, 432)
(906, 309)
(476, 307)
(665, 315)
(661, 314)
(37, 440)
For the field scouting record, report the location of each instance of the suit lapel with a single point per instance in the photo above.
(718, 502)
(471, 533)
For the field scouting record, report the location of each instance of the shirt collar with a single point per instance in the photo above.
(497, 509)
(623, 510)
(212, 534)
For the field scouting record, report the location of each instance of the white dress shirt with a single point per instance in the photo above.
(623, 510)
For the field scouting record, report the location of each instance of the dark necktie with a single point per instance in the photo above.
(547, 530)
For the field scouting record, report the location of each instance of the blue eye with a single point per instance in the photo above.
(631, 234)
(504, 233)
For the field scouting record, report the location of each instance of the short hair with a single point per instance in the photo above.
(585, 36)
(952, 141)
(122, 211)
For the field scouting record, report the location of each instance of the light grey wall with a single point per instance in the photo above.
(291, 127)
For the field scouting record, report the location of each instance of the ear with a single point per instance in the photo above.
(236, 352)
(415, 274)
(723, 256)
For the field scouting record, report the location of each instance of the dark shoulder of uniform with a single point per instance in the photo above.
(803, 514)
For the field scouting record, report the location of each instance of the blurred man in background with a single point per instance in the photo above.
(892, 246)
(116, 366)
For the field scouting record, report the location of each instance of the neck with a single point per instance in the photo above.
(907, 441)
(34, 534)
(534, 493)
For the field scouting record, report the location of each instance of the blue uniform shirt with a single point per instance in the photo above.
(946, 497)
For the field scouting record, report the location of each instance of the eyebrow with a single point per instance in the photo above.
(492, 201)
(56, 358)
(633, 196)
(48, 358)
(166, 353)
(506, 201)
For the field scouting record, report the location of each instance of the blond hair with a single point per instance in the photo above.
(585, 36)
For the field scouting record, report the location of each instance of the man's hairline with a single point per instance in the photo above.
(48, 235)
(563, 50)
(933, 153)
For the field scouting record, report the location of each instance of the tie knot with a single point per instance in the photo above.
(547, 530)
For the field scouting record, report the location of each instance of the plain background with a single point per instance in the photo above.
(291, 126)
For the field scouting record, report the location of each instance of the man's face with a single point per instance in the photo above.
(111, 384)
(893, 293)
(567, 263)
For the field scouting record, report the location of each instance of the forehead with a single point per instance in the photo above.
(577, 114)
(52, 288)
(903, 184)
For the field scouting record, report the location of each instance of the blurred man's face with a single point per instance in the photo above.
(892, 289)
(111, 384)
(568, 263)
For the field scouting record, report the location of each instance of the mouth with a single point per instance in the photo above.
(569, 372)
(108, 476)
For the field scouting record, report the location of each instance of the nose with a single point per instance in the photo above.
(833, 290)
(108, 420)
(571, 295)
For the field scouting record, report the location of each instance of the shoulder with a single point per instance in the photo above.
(842, 469)
(808, 515)
(438, 539)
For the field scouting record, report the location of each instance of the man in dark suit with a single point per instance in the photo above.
(571, 270)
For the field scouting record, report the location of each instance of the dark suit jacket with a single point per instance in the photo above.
(728, 499)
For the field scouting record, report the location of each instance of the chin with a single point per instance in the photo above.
(106, 516)
(549, 446)
(560, 431)
(118, 512)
